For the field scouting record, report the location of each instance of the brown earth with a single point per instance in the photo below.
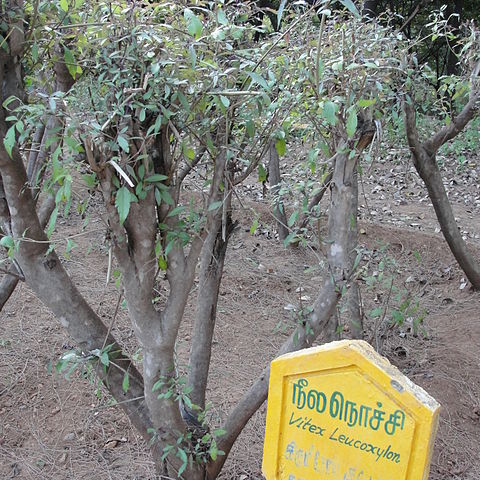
(54, 428)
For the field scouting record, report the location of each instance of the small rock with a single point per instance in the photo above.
(69, 437)
(111, 444)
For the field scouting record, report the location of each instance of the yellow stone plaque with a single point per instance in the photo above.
(343, 412)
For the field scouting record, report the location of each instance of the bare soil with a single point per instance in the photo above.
(55, 428)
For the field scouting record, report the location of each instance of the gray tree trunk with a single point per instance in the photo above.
(274, 179)
(330, 292)
(355, 319)
(424, 159)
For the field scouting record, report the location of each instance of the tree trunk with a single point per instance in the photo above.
(428, 170)
(355, 319)
(274, 179)
(9, 282)
(210, 277)
(331, 289)
(45, 275)
(36, 160)
(424, 159)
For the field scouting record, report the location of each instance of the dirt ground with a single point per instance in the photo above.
(54, 428)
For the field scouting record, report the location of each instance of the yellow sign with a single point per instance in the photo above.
(343, 412)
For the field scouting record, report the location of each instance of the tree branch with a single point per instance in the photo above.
(46, 276)
(254, 397)
(334, 282)
(457, 125)
(210, 276)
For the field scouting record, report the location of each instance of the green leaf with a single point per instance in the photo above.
(162, 263)
(398, 317)
(328, 113)
(158, 197)
(74, 145)
(365, 102)
(189, 152)
(156, 178)
(70, 246)
(35, 52)
(250, 126)
(64, 5)
(213, 451)
(258, 79)
(166, 197)
(262, 173)
(183, 456)
(123, 199)
(254, 226)
(52, 222)
(183, 100)
(7, 241)
(376, 312)
(293, 218)
(352, 123)
(52, 104)
(89, 179)
(290, 238)
(351, 6)
(126, 382)
(225, 101)
(70, 61)
(194, 25)
(215, 205)
(221, 17)
(279, 14)
(357, 261)
(104, 359)
(9, 140)
(123, 143)
(176, 211)
(281, 147)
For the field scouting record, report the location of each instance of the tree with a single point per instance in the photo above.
(169, 96)
(424, 158)
(445, 31)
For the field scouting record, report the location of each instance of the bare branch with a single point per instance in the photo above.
(455, 126)
(189, 167)
(420, 4)
(411, 126)
(316, 199)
